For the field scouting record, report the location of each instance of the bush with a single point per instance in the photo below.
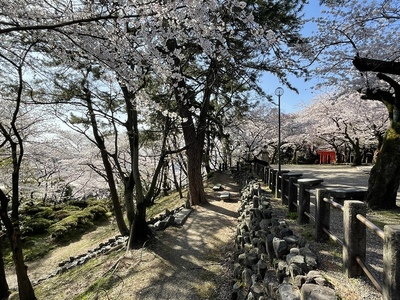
(78, 203)
(98, 211)
(34, 209)
(35, 226)
(71, 224)
(61, 214)
(46, 212)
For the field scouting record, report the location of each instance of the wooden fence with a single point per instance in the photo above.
(295, 192)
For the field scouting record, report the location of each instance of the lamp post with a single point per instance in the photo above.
(279, 92)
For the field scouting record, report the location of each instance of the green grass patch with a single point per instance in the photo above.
(44, 227)
(169, 202)
(384, 217)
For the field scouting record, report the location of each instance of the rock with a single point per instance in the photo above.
(280, 247)
(257, 290)
(285, 232)
(246, 277)
(310, 257)
(261, 268)
(316, 292)
(265, 224)
(288, 292)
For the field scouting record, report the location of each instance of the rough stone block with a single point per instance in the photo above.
(288, 292)
(317, 292)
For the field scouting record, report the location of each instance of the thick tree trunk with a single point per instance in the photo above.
(25, 288)
(129, 185)
(196, 187)
(357, 156)
(4, 291)
(385, 175)
(140, 231)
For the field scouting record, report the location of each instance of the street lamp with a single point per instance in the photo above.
(279, 92)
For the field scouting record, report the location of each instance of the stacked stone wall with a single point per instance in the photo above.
(271, 262)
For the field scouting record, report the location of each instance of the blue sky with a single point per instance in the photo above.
(290, 100)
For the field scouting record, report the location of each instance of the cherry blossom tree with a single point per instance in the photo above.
(194, 47)
(350, 52)
(344, 123)
(13, 133)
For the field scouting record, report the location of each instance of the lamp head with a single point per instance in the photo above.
(279, 91)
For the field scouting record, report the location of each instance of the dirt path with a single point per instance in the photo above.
(191, 257)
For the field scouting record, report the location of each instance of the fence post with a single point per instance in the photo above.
(322, 215)
(273, 180)
(391, 263)
(277, 184)
(304, 204)
(284, 190)
(292, 195)
(355, 237)
(265, 174)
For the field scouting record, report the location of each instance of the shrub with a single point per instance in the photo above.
(71, 224)
(46, 212)
(35, 226)
(98, 211)
(34, 209)
(78, 203)
(61, 214)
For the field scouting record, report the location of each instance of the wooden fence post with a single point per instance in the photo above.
(273, 180)
(322, 215)
(304, 204)
(277, 185)
(355, 237)
(292, 195)
(391, 263)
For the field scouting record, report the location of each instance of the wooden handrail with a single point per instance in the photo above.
(379, 232)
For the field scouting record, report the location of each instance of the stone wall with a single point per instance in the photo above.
(271, 262)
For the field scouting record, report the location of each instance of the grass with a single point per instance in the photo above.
(384, 217)
(88, 236)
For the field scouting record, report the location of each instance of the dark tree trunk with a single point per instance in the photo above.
(196, 188)
(385, 175)
(25, 288)
(176, 183)
(4, 291)
(123, 229)
(357, 155)
(140, 231)
(129, 186)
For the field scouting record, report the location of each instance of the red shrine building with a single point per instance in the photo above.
(326, 156)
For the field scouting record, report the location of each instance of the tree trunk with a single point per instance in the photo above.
(25, 288)
(119, 217)
(176, 183)
(140, 230)
(385, 175)
(196, 188)
(357, 155)
(129, 186)
(4, 292)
